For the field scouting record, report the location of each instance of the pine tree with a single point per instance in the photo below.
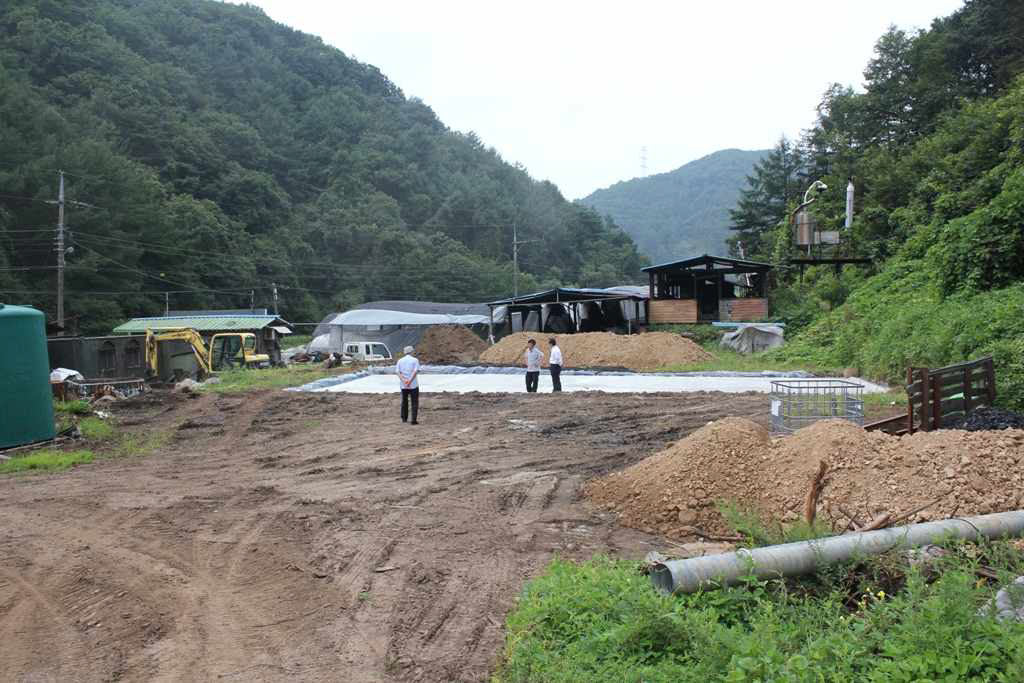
(763, 203)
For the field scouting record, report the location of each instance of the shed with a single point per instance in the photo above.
(708, 289)
(268, 328)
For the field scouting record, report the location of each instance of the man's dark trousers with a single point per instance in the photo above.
(556, 377)
(413, 394)
(531, 381)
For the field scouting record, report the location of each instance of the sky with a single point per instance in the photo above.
(575, 91)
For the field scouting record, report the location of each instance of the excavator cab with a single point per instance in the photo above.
(235, 350)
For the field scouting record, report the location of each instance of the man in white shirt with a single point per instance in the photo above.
(408, 370)
(555, 365)
(533, 358)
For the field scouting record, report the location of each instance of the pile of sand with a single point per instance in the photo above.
(638, 352)
(448, 345)
(869, 474)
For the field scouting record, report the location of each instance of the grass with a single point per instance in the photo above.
(239, 380)
(602, 621)
(51, 460)
(293, 340)
(77, 407)
(95, 429)
(729, 360)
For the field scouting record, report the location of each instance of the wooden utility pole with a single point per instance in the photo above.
(60, 255)
(515, 260)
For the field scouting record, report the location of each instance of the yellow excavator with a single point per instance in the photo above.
(226, 350)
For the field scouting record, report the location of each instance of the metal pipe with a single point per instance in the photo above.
(794, 559)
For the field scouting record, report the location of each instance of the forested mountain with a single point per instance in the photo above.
(220, 151)
(681, 213)
(935, 146)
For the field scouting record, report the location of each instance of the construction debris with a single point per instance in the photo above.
(989, 418)
(637, 352)
(873, 480)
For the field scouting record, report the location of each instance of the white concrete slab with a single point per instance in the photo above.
(463, 383)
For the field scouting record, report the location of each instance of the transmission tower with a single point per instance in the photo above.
(643, 161)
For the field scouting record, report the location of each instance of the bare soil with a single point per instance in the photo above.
(314, 537)
(933, 475)
(637, 352)
(449, 344)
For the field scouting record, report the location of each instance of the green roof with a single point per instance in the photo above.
(200, 323)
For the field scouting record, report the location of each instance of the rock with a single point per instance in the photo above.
(187, 386)
(213, 380)
(687, 517)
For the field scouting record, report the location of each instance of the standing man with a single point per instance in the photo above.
(408, 370)
(555, 365)
(533, 357)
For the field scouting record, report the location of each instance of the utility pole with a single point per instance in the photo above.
(167, 303)
(60, 255)
(274, 286)
(643, 161)
(515, 260)
(252, 299)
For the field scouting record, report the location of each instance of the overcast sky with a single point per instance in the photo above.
(574, 90)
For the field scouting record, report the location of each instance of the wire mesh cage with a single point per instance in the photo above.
(797, 403)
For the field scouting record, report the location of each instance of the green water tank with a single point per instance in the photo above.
(26, 401)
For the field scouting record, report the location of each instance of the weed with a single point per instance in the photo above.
(602, 621)
(77, 407)
(95, 429)
(136, 444)
(239, 380)
(729, 360)
(747, 522)
(45, 460)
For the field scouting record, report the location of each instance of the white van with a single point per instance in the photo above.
(367, 352)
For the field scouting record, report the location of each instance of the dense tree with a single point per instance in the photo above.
(223, 151)
(776, 183)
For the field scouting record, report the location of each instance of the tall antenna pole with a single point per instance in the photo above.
(60, 255)
(274, 285)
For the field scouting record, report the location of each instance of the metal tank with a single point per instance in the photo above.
(26, 401)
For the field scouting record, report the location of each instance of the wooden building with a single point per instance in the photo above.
(708, 289)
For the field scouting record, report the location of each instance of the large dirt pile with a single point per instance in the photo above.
(638, 352)
(869, 474)
(449, 344)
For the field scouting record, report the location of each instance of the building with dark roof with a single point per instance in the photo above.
(708, 289)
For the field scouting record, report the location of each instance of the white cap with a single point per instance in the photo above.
(409, 349)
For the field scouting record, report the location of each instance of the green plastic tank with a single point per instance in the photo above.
(26, 401)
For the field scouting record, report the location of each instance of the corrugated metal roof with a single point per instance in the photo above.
(200, 323)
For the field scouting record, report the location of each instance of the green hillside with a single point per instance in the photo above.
(935, 146)
(221, 151)
(682, 212)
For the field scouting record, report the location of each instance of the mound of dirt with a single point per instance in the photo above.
(947, 473)
(638, 352)
(449, 344)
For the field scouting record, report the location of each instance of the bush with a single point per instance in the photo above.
(602, 621)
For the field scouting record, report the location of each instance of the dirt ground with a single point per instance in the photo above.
(283, 536)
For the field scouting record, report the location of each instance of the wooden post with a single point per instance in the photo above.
(968, 390)
(936, 381)
(910, 402)
(990, 379)
(490, 324)
(651, 276)
(926, 408)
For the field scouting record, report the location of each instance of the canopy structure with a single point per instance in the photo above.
(395, 323)
(566, 309)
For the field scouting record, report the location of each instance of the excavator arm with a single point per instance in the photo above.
(193, 338)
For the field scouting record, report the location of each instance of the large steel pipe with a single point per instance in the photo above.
(803, 557)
